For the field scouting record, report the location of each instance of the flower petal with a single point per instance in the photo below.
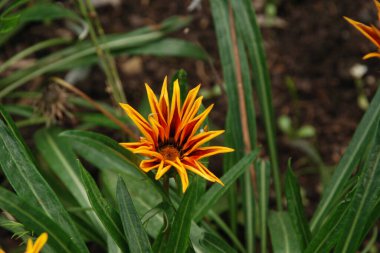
(174, 117)
(203, 152)
(181, 172)
(199, 169)
(148, 165)
(192, 127)
(189, 101)
(139, 120)
(199, 139)
(148, 153)
(134, 145)
(39, 243)
(371, 33)
(164, 99)
(162, 170)
(371, 55)
(154, 106)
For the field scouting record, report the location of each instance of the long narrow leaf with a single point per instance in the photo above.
(180, 230)
(138, 240)
(62, 161)
(362, 136)
(263, 183)
(247, 25)
(82, 50)
(233, 135)
(282, 234)
(363, 202)
(103, 152)
(106, 154)
(30, 185)
(36, 220)
(209, 199)
(295, 208)
(326, 237)
(107, 215)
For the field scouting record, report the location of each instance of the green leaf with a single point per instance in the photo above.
(70, 55)
(209, 199)
(203, 241)
(362, 136)
(180, 230)
(106, 154)
(363, 202)
(145, 198)
(107, 215)
(328, 234)
(247, 25)
(138, 240)
(170, 47)
(36, 220)
(281, 231)
(214, 244)
(36, 12)
(295, 208)
(263, 185)
(9, 23)
(61, 159)
(30, 185)
(103, 152)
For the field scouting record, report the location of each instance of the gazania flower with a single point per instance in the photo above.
(371, 32)
(37, 246)
(171, 139)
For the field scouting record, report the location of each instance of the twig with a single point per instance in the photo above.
(80, 93)
(239, 84)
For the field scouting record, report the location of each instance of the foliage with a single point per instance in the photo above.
(81, 187)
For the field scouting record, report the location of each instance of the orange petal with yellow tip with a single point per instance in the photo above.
(377, 4)
(148, 165)
(189, 101)
(162, 170)
(203, 152)
(196, 168)
(149, 153)
(371, 33)
(164, 99)
(371, 55)
(181, 172)
(139, 121)
(192, 127)
(200, 139)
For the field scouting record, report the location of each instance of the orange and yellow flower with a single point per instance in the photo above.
(170, 135)
(34, 247)
(371, 32)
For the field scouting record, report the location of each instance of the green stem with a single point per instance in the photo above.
(107, 62)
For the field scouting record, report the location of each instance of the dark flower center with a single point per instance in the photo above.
(169, 152)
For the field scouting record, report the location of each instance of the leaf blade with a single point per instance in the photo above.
(138, 240)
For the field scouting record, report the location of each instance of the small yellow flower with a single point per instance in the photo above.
(371, 32)
(37, 246)
(170, 135)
